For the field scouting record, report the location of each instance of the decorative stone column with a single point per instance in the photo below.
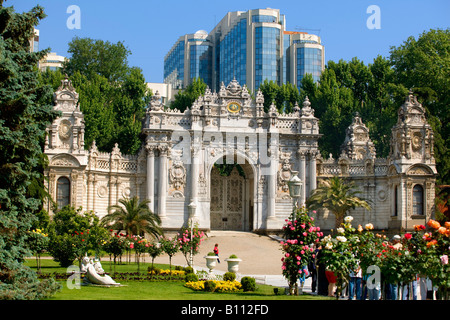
(195, 150)
(312, 172)
(151, 177)
(162, 192)
(302, 171)
(271, 195)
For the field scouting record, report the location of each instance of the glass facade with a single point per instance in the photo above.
(233, 54)
(309, 60)
(200, 62)
(267, 53)
(174, 66)
(256, 36)
(264, 18)
(286, 60)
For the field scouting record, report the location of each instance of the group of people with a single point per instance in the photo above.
(324, 283)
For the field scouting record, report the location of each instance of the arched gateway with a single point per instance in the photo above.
(177, 167)
(228, 127)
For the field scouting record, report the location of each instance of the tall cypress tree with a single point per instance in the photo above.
(24, 116)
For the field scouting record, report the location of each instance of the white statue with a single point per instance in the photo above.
(93, 271)
(98, 266)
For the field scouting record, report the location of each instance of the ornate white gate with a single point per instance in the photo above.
(227, 195)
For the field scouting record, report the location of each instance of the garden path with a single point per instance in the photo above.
(261, 255)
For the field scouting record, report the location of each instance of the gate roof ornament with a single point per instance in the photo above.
(66, 98)
(232, 109)
(357, 144)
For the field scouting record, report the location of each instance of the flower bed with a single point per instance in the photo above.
(162, 275)
(220, 286)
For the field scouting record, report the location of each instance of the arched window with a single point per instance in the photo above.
(395, 201)
(417, 200)
(63, 192)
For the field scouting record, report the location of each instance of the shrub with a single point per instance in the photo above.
(62, 248)
(229, 276)
(211, 254)
(248, 284)
(210, 286)
(189, 270)
(191, 277)
(233, 256)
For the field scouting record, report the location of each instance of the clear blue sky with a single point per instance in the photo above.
(150, 28)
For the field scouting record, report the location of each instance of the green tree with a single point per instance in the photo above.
(97, 57)
(113, 95)
(284, 97)
(134, 217)
(96, 96)
(185, 98)
(337, 196)
(423, 64)
(73, 233)
(24, 116)
(170, 247)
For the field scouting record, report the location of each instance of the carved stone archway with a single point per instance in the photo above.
(232, 198)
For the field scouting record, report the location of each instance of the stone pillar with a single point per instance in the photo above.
(151, 177)
(312, 172)
(302, 173)
(162, 192)
(88, 192)
(271, 195)
(194, 173)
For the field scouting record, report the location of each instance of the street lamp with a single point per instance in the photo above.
(191, 209)
(295, 187)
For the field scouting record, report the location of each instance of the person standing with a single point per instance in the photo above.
(313, 272)
(355, 284)
(216, 251)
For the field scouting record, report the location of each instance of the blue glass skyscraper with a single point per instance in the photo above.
(251, 47)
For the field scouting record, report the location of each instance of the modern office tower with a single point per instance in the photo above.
(51, 61)
(304, 54)
(249, 46)
(189, 58)
(34, 42)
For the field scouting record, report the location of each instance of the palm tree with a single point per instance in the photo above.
(337, 196)
(133, 217)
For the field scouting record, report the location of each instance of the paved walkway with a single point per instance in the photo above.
(261, 256)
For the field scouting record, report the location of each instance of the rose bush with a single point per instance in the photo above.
(188, 242)
(301, 236)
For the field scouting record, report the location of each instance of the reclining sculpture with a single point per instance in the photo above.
(94, 273)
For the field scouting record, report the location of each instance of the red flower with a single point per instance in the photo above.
(408, 236)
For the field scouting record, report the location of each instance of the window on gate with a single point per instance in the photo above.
(63, 192)
(418, 200)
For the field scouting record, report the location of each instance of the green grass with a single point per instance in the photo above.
(153, 290)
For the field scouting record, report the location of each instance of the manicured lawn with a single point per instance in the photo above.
(154, 290)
